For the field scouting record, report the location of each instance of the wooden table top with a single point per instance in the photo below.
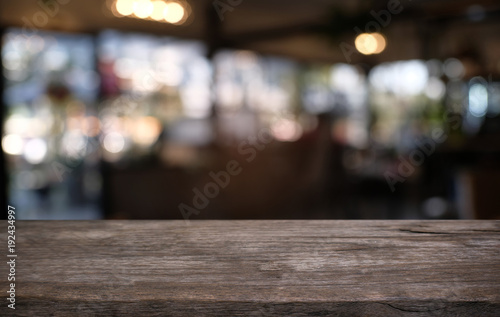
(256, 268)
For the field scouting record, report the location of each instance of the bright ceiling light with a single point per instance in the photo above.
(125, 7)
(158, 9)
(380, 42)
(370, 43)
(143, 8)
(174, 12)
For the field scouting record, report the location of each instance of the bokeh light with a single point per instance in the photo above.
(286, 130)
(404, 78)
(380, 42)
(370, 43)
(12, 144)
(114, 142)
(35, 150)
(478, 100)
(435, 88)
(158, 9)
(454, 69)
(146, 130)
(173, 12)
(143, 8)
(125, 7)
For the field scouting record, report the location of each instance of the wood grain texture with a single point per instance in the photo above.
(256, 268)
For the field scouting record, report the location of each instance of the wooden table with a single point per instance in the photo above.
(256, 268)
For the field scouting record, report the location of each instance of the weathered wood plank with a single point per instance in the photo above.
(256, 268)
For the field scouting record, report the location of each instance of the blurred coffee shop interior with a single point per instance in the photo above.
(251, 109)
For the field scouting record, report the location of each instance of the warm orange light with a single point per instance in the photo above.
(174, 12)
(158, 9)
(380, 42)
(143, 8)
(146, 130)
(125, 7)
(370, 43)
